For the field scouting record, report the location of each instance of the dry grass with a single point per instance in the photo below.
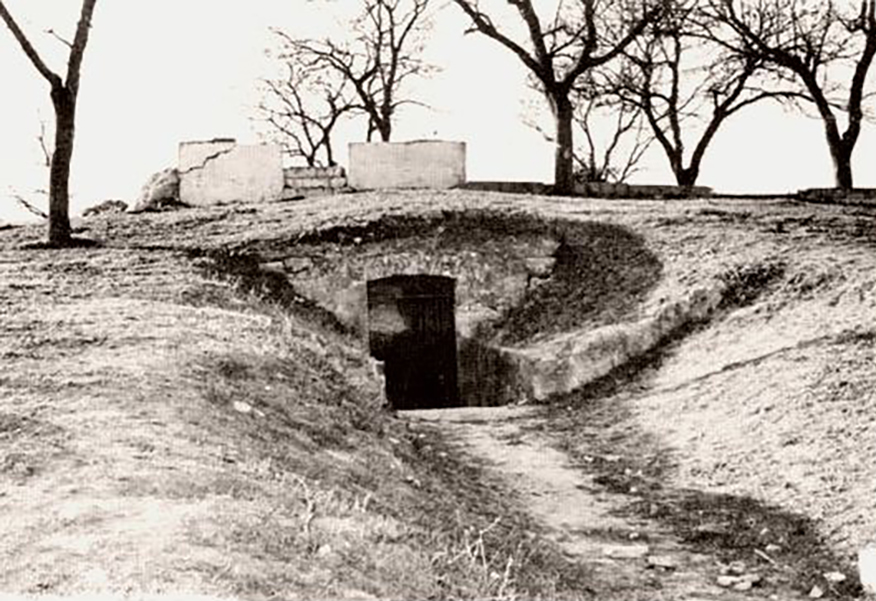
(164, 431)
(167, 432)
(755, 430)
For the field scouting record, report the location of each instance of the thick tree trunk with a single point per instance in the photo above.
(842, 165)
(840, 148)
(385, 128)
(687, 176)
(59, 177)
(564, 181)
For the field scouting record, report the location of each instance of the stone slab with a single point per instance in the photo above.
(222, 171)
(418, 164)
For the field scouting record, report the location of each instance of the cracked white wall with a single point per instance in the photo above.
(220, 171)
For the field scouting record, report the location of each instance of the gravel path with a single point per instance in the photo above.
(627, 556)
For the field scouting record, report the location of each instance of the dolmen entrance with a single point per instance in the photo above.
(412, 329)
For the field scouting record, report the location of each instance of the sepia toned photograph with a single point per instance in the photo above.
(497, 300)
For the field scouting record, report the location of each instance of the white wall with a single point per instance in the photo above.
(220, 171)
(418, 164)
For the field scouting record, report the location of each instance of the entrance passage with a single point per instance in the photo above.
(412, 329)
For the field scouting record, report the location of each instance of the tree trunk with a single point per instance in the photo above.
(64, 103)
(842, 165)
(840, 149)
(385, 128)
(687, 176)
(564, 181)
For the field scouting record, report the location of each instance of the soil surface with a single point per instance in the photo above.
(627, 557)
(163, 431)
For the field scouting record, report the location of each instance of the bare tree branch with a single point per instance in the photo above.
(44, 147)
(685, 81)
(580, 38)
(80, 39)
(50, 76)
(304, 109)
(816, 45)
(384, 53)
(55, 35)
(29, 207)
(64, 96)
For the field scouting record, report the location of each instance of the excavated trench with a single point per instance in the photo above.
(552, 312)
(477, 308)
(508, 280)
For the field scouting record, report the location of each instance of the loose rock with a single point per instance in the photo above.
(742, 582)
(242, 407)
(744, 585)
(667, 562)
(107, 206)
(867, 568)
(160, 192)
(625, 551)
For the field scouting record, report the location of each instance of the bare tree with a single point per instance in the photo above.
(613, 134)
(389, 38)
(63, 93)
(615, 138)
(819, 44)
(303, 109)
(25, 202)
(684, 82)
(581, 36)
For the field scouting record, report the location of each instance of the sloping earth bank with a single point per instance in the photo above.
(757, 404)
(166, 433)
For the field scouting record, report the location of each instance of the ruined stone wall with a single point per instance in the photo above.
(612, 190)
(489, 278)
(220, 171)
(310, 180)
(417, 164)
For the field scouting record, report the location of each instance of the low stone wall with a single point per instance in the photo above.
(608, 190)
(509, 187)
(310, 180)
(490, 277)
(220, 170)
(595, 189)
(417, 164)
(865, 196)
(567, 362)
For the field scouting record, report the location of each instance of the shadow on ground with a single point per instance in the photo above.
(597, 428)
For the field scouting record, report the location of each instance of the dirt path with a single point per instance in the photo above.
(630, 557)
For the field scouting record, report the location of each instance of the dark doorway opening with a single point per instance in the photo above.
(412, 329)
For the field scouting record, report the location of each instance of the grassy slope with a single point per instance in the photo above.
(164, 431)
(128, 466)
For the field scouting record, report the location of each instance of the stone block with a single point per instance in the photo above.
(418, 164)
(221, 171)
(305, 183)
(568, 361)
(322, 172)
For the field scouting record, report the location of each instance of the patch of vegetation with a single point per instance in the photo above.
(745, 283)
(366, 503)
(470, 226)
(486, 533)
(602, 272)
(723, 216)
(782, 547)
(244, 271)
(598, 429)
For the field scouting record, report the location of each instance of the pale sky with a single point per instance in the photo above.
(160, 72)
